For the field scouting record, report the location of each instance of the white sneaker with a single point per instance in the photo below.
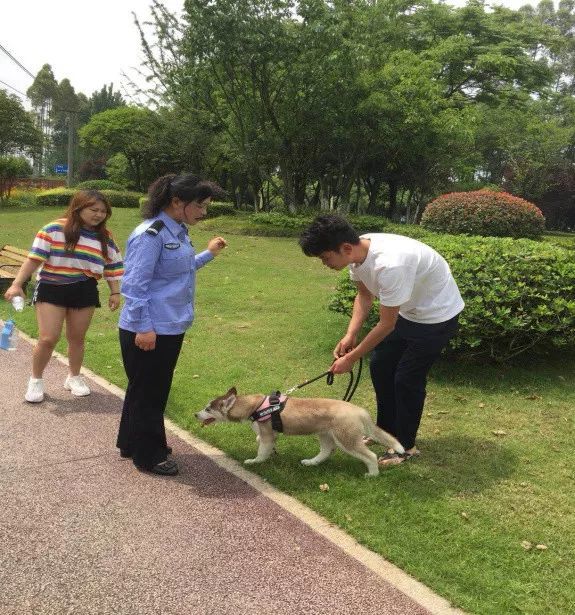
(77, 386)
(35, 392)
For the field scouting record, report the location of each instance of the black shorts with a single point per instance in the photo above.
(76, 295)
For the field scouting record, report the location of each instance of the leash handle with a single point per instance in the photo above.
(351, 387)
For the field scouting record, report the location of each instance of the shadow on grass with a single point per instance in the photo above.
(453, 466)
(459, 465)
(547, 373)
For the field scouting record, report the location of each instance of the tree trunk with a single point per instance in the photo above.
(373, 188)
(299, 190)
(324, 195)
(345, 194)
(393, 209)
(357, 194)
(314, 202)
(288, 186)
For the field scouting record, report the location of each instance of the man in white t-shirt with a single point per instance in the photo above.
(419, 303)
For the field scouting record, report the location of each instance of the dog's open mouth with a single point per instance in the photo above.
(208, 421)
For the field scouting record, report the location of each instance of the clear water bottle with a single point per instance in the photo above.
(18, 303)
(8, 337)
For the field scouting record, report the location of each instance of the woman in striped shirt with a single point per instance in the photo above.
(73, 253)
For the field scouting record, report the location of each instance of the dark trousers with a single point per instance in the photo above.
(399, 366)
(142, 432)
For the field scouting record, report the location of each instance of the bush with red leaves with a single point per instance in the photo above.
(486, 213)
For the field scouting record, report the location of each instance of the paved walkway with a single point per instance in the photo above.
(81, 531)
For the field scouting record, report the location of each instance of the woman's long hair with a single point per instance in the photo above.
(73, 226)
(185, 187)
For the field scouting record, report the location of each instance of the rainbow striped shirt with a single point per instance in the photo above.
(84, 262)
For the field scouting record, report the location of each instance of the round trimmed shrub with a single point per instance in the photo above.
(483, 212)
(99, 184)
(519, 295)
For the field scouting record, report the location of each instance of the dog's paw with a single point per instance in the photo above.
(372, 474)
(249, 462)
(308, 462)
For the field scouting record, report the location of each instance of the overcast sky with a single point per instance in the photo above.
(89, 42)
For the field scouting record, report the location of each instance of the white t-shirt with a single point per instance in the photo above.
(404, 272)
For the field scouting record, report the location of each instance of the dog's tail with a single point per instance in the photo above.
(382, 436)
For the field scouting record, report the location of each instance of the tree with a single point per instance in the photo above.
(17, 130)
(126, 130)
(42, 93)
(523, 151)
(328, 99)
(66, 105)
(11, 168)
(105, 99)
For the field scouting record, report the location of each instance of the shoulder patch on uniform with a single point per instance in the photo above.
(155, 228)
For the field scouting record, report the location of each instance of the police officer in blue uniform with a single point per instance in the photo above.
(158, 289)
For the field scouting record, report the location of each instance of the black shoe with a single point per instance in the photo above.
(126, 453)
(165, 468)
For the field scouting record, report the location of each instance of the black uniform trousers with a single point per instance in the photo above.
(142, 433)
(399, 366)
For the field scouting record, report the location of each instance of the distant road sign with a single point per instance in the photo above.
(61, 168)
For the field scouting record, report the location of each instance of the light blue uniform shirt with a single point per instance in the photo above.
(160, 278)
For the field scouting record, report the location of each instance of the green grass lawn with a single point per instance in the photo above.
(496, 470)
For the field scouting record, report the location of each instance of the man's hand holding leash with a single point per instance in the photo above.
(343, 361)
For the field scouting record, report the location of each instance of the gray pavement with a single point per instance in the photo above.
(81, 531)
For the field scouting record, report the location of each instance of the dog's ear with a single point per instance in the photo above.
(229, 399)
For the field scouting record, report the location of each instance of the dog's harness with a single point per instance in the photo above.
(269, 409)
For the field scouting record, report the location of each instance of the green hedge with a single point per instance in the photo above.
(60, 197)
(519, 295)
(122, 199)
(57, 197)
(100, 184)
(276, 224)
(218, 208)
(363, 224)
(214, 210)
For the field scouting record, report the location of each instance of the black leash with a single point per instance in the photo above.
(351, 387)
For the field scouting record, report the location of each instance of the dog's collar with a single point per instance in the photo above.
(270, 408)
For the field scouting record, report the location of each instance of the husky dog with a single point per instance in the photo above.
(336, 423)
